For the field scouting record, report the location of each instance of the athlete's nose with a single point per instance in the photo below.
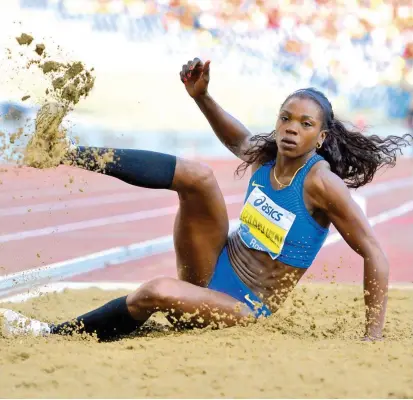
(291, 131)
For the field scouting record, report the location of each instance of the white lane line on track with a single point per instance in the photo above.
(28, 278)
(90, 262)
(383, 187)
(98, 222)
(80, 203)
(126, 197)
(45, 192)
(378, 219)
(99, 200)
(359, 197)
(92, 223)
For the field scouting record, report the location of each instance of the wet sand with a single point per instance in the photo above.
(310, 348)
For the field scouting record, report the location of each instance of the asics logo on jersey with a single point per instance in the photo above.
(267, 209)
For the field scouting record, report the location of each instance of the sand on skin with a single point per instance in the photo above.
(311, 348)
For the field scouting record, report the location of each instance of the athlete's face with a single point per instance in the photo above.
(299, 127)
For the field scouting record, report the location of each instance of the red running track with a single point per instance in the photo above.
(47, 216)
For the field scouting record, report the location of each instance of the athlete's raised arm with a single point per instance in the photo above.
(329, 193)
(234, 135)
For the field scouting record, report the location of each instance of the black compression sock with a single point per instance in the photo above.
(109, 321)
(142, 168)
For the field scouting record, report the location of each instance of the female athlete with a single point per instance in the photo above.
(301, 173)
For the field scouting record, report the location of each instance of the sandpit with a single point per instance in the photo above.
(310, 348)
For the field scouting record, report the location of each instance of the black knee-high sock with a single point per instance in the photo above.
(142, 168)
(108, 322)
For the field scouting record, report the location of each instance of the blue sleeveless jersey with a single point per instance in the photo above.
(277, 221)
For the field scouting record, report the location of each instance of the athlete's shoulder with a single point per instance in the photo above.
(320, 174)
(318, 170)
(322, 185)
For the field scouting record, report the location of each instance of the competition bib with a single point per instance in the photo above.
(264, 225)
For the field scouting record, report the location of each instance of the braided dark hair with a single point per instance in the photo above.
(352, 156)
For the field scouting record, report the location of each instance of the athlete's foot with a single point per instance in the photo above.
(14, 324)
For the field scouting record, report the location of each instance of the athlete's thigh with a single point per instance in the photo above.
(200, 231)
(188, 305)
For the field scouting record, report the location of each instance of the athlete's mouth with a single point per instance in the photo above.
(288, 142)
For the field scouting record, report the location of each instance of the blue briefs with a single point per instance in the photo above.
(226, 280)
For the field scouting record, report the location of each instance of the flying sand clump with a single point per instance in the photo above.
(69, 82)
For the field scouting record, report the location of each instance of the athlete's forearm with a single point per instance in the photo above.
(376, 279)
(234, 135)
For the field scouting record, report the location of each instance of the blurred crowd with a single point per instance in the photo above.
(343, 46)
(332, 36)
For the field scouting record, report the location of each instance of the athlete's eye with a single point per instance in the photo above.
(307, 124)
(283, 118)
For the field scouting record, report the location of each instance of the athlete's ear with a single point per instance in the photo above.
(323, 135)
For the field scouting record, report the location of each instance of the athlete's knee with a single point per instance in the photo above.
(158, 294)
(195, 176)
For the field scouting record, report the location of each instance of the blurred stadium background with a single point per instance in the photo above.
(359, 52)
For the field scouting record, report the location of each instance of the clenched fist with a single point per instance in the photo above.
(195, 76)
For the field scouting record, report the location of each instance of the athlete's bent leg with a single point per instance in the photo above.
(201, 225)
(186, 305)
